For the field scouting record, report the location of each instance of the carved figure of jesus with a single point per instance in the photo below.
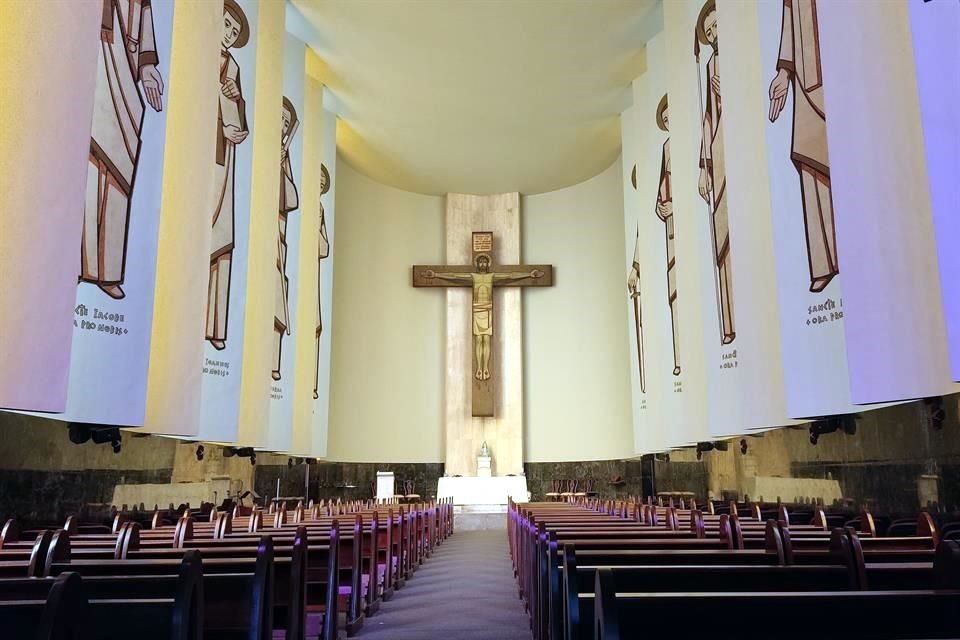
(483, 282)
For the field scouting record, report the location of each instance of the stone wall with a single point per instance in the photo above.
(44, 477)
(896, 461)
(344, 480)
(633, 474)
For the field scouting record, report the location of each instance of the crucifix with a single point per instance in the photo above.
(482, 276)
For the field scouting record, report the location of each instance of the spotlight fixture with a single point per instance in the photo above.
(253, 460)
(831, 424)
(719, 445)
(289, 463)
(78, 433)
(200, 452)
(744, 447)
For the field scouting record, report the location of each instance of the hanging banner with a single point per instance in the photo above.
(789, 105)
(242, 272)
(655, 267)
(290, 213)
(113, 317)
(174, 379)
(314, 251)
(892, 305)
(643, 438)
(324, 310)
(934, 26)
(760, 367)
(45, 110)
(704, 244)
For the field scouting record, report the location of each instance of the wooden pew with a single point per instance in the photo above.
(81, 611)
(43, 609)
(237, 592)
(857, 614)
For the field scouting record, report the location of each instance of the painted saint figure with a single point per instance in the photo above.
(799, 65)
(664, 210)
(323, 252)
(713, 176)
(633, 288)
(483, 282)
(232, 129)
(128, 56)
(289, 202)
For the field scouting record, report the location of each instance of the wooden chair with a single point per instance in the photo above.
(408, 491)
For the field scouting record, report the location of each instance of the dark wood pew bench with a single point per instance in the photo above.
(83, 612)
(844, 614)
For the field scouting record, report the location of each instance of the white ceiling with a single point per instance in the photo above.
(479, 96)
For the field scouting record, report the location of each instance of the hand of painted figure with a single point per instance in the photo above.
(234, 134)
(778, 93)
(633, 280)
(705, 185)
(664, 210)
(536, 273)
(429, 275)
(230, 90)
(152, 86)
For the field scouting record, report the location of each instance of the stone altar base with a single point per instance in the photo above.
(483, 495)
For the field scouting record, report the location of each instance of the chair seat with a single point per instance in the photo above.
(552, 493)
(412, 495)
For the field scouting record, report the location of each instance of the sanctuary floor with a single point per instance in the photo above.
(466, 591)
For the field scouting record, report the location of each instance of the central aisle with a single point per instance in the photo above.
(465, 591)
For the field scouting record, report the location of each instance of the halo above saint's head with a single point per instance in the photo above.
(324, 179)
(660, 109)
(288, 106)
(709, 5)
(231, 7)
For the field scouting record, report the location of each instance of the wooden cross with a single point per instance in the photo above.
(482, 276)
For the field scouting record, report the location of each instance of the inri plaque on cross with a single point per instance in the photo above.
(482, 276)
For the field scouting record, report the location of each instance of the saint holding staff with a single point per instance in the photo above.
(322, 253)
(289, 202)
(713, 173)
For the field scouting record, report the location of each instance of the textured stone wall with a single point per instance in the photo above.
(895, 450)
(634, 476)
(44, 477)
(344, 480)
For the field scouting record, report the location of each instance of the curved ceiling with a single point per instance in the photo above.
(482, 96)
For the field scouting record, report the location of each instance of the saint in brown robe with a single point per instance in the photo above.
(128, 58)
(712, 161)
(289, 202)
(324, 252)
(800, 60)
(230, 113)
(664, 211)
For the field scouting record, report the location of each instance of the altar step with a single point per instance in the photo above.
(479, 508)
(474, 521)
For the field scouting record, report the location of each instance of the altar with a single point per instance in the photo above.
(475, 492)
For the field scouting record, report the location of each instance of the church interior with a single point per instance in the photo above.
(532, 284)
